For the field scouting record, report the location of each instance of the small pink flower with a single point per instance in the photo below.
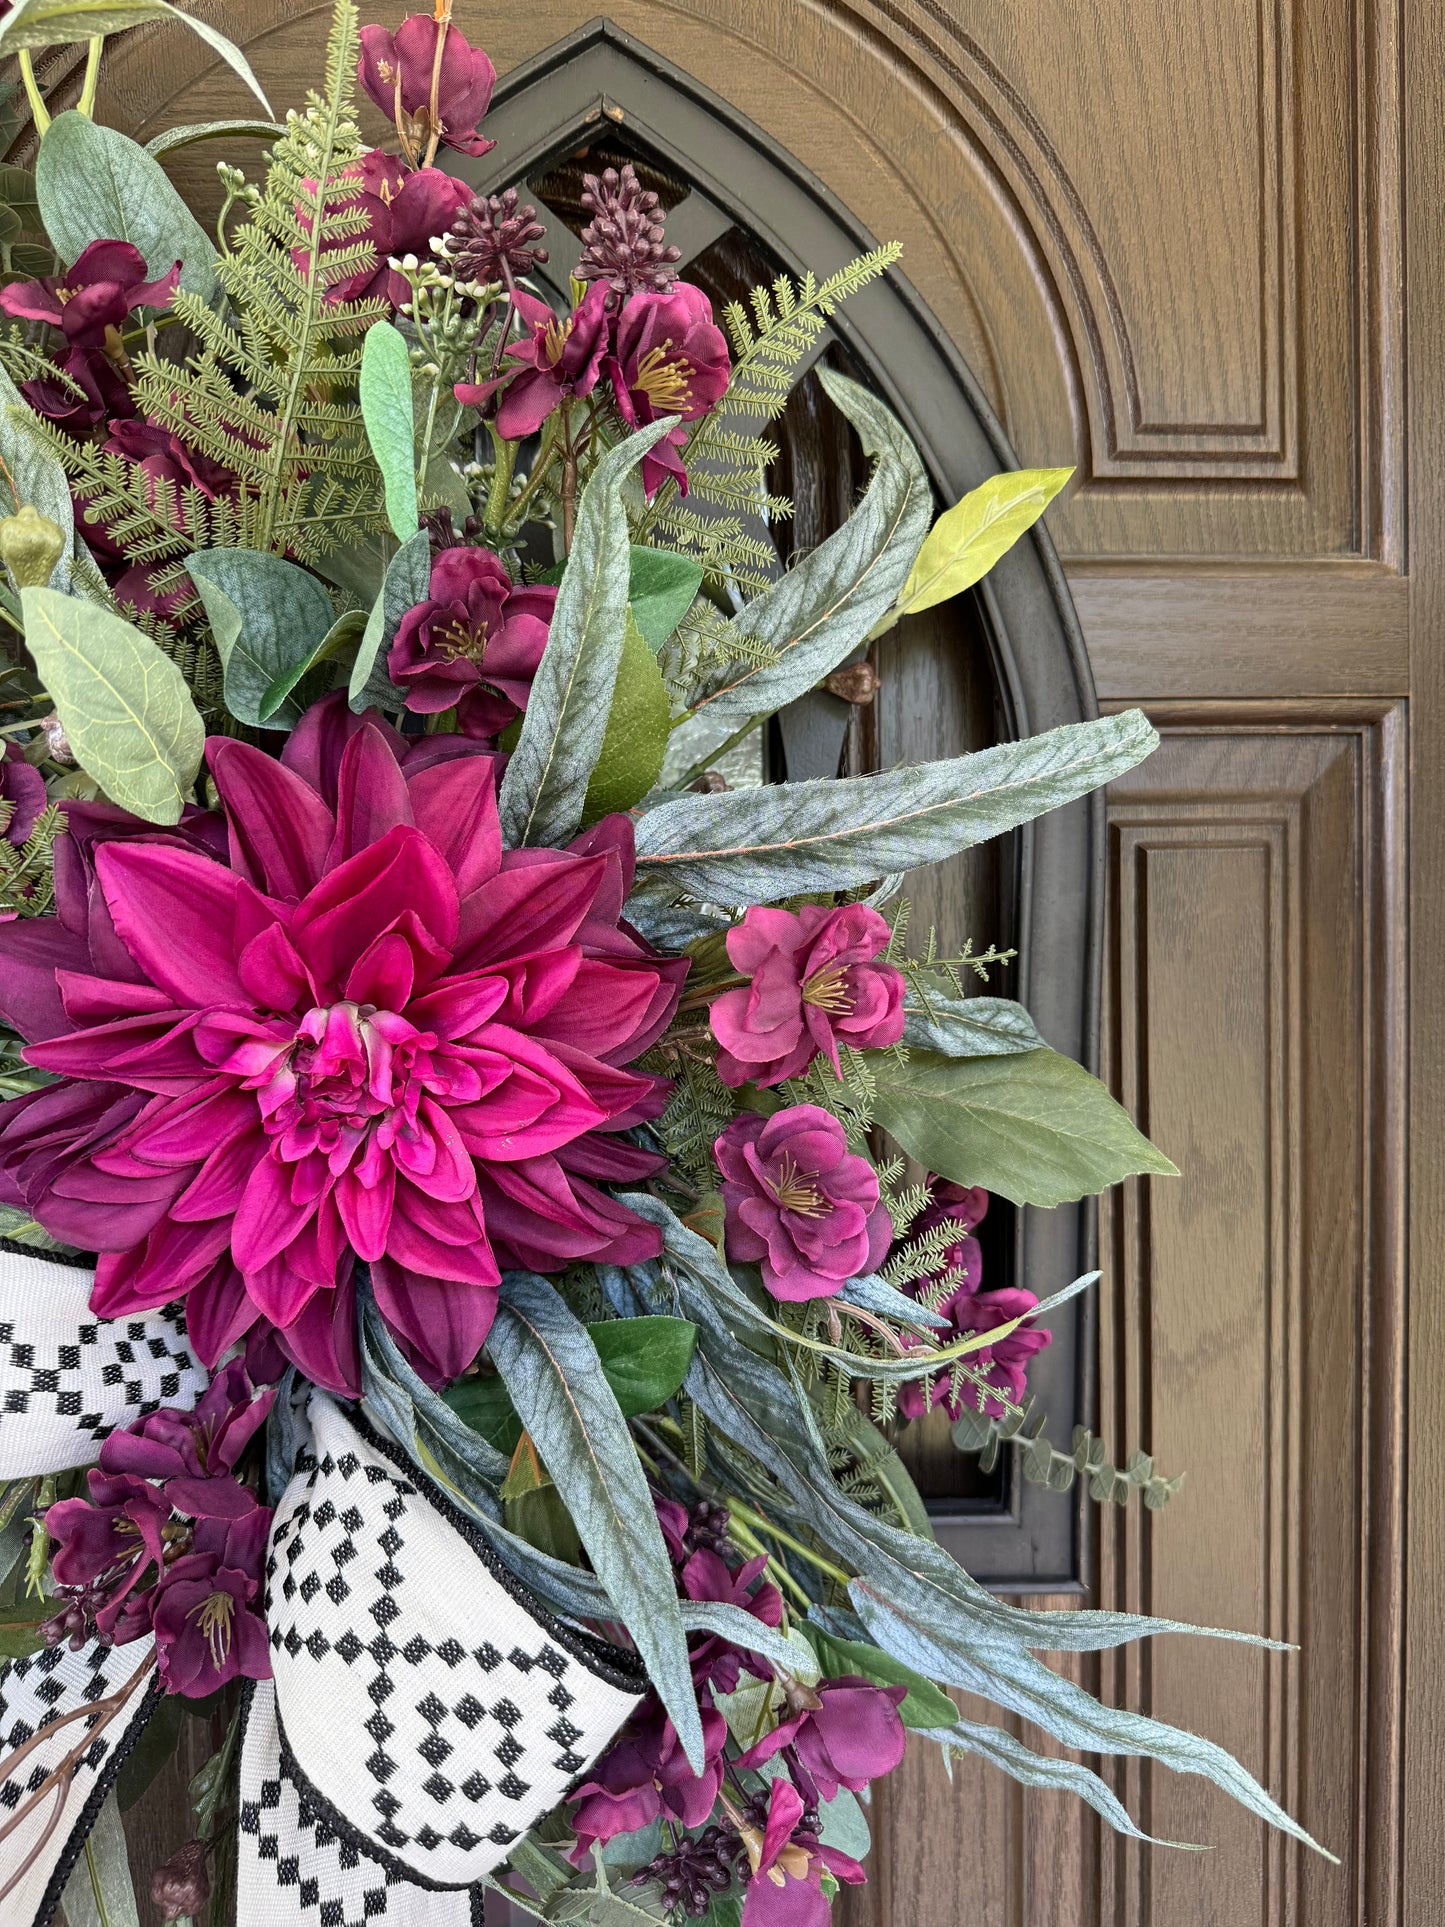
(800, 1203)
(397, 71)
(815, 984)
(668, 358)
(850, 1737)
(474, 644)
(403, 211)
(557, 359)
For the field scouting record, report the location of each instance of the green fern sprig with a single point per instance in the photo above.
(851, 1097)
(27, 870)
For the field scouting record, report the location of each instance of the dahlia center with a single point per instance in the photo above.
(354, 1076)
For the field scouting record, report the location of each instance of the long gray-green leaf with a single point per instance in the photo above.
(212, 130)
(267, 616)
(96, 185)
(36, 472)
(121, 700)
(407, 578)
(818, 612)
(757, 846)
(968, 1026)
(54, 23)
(551, 1368)
(100, 1892)
(545, 786)
(386, 408)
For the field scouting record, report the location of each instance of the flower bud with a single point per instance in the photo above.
(712, 782)
(57, 743)
(30, 546)
(182, 1886)
(858, 682)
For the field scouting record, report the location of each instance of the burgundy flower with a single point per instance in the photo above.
(161, 456)
(94, 297)
(209, 1614)
(644, 1775)
(788, 1863)
(107, 1545)
(370, 1034)
(717, 1661)
(403, 212)
(559, 358)
(399, 71)
(668, 358)
(799, 1202)
(474, 645)
(23, 788)
(850, 1737)
(202, 1444)
(815, 984)
(139, 591)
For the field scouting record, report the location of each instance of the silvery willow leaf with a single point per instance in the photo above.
(268, 617)
(551, 1368)
(757, 846)
(122, 703)
(53, 23)
(408, 577)
(38, 477)
(416, 1416)
(386, 409)
(967, 1026)
(743, 1629)
(818, 612)
(209, 130)
(96, 185)
(545, 787)
(873, 1295)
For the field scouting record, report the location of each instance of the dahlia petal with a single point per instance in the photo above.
(397, 882)
(315, 747)
(410, 1243)
(32, 950)
(600, 1010)
(219, 1186)
(219, 1311)
(526, 909)
(266, 1219)
(272, 972)
(384, 974)
(454, 805)
(176, 914)
(366, 1211)
(158, 1269)
(371, 796)
(457, 1007)
(322, 1342)
(280, 828)
(96, 1000)
(446, 1323)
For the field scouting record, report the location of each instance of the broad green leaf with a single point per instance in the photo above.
(545, 788)
(966, 540)
(99, 1892)
(662, 586)
(635, 740)
(96, 185)
(36, 471)
(210, 130)
(1034, 1127)
(268, 617)
(553, 1373)
(968, 1026)
(17, 192)
(926, 1705)
(540, 1517)
(644, 1360)
(54, 23)
(342, 634)
(788, 839)
(819, 611)
(390, 425)
(122, 702)
(408, 577)
(483, 1403)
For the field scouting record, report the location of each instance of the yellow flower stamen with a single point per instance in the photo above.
(665, 383)
(796, 1190)
(215, 1613)
(827, 990)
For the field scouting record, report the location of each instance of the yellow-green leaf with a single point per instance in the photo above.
(635, 742)
(122, 702)
(966, 540)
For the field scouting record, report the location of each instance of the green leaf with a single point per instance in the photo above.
(153, 1751)
(635, 740)
(1034, 1127)
(96, 185)
(818, 612)
(17, 192)
(54, 23)
(345, 631)
(966, 540)
(544, 790)
(122, 702)
(407, 580)
(553, 1373)
(268, 618)
(789, 839)
(484, 1403)
(390, 424)
(211, 130)
(540, 1517)
(37, 473)
(662, 586)
(926, 1705)
(99, 1892)
(645, 1359)
(968, 1026)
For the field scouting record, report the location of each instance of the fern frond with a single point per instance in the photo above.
(27, 871)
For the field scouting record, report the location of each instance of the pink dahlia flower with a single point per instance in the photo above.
(799, 1202)
(398, 71)
(365, 1033)
(815, 985)
(668, 358)
(474, 644)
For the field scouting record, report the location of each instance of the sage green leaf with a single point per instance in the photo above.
(925, 1705)
(545, 788)
(55, 23)
(635, 740)
(968, 1026)
(99, 1892)
(818, 612)
(966, 540)
(390, 424)
(662, 586)
(788, 839)
(407, 580)
(343, 633)
(644, 1360)
(96, 185)
(17, 194)
(553, 1373)
(1034, 1127)
(268, 617)
(121, 700)
(210, 130)
(40, 480)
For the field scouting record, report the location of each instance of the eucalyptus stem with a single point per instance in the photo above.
(736, 1509)
(504, 467)
(86, 104)
(39, 112)
(706, 762)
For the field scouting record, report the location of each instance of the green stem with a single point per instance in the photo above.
(94, 1872)
(504, 466)
(750, 1542)
(738, 1509)
(86, 104)
(708, 761)
(39, 112)
(546, 454)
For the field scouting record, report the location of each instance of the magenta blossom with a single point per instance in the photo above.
(162, 457)
(474, 644)
(644, 1775)
(556, 359)
(815, 985)
(799, 1202)
(401, 73)
(787, 1863)
(209, 1613)
(717, 1661)
(22, 787)
(850, 1737)
(90, 301)
(403, 211)
(668, 358)
(369, 1034)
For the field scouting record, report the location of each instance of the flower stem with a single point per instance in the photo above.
(738, 1509)
(707, 762)
(86, 104)
(39, 112)
(443, 18)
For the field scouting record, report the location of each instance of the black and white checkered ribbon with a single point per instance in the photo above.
(427, 1707)
(68, 1378)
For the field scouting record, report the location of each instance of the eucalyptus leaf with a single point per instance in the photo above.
(122, 702)
(95, 184)
(819, 611)
(268, 618)
(968, 1026)
(407, 580)
(210, 130)
(40, 480)
(1034, 1126)
(635, 740)
(966, 540)
(386, 409)
(54, 23)
(661, 587)
(345, 631)
(553, 1373)
(789, 839)
(545, 788)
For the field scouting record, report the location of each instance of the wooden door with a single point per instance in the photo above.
(1171, 244)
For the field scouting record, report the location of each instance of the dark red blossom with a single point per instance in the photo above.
(90, 300)
(667, 358)
(403, 212)
(474, 644)
(645, 1776)
(850, 1736)
(787, 1863)
(23, 788)
(401, 72)
(557, 359)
